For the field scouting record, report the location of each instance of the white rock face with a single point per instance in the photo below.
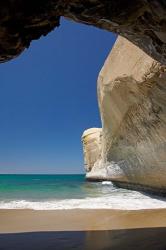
(132, 101)
(91, 140)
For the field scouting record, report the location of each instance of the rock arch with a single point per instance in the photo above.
(143, 22)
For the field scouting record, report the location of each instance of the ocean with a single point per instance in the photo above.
(51, 192)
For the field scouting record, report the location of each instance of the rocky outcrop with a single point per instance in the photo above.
(132, 100)
(143, 22)
(91, 140)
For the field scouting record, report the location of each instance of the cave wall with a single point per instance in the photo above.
(143, 22)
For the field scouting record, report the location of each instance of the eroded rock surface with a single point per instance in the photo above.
(92, 149)
(132, 100)
(91, 140)
(141, 21)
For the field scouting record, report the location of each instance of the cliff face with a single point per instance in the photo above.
(92, 148)
(91, 140)
(132, 100)
(142, 22)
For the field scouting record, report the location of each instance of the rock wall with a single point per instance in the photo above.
(141, 21)
(91, 140)
(132, 100)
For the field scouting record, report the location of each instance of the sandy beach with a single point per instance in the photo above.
(12, 221)
(82, 229)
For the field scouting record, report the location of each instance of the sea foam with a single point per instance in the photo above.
(131, 201)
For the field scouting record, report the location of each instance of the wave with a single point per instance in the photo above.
(136, 201)
(107, 183)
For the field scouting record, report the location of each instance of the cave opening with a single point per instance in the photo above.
(48, 98)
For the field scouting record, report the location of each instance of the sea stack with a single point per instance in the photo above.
(132, 101)
(92, 142)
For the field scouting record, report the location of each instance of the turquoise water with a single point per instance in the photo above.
(46, 187)
(50, 192)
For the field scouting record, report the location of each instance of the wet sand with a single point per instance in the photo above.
(83, 229)
(12, 221)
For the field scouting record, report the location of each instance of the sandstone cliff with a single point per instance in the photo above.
(132, 101)
(91, 140)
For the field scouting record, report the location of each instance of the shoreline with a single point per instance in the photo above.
(27, 220)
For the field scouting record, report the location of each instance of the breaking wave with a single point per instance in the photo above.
(131, 201)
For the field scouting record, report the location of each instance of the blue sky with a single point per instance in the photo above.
(48, 98)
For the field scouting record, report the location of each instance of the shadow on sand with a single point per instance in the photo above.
(134, 239)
